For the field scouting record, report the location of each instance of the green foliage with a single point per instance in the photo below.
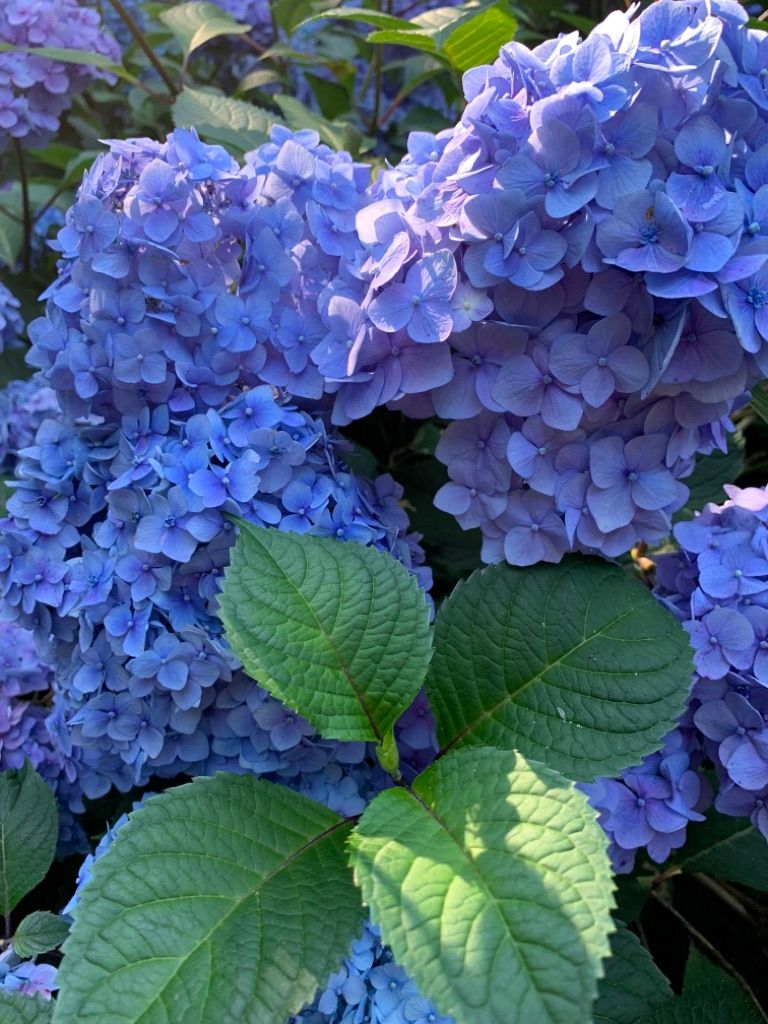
(224, 901)
(339, 632)
(28, 829)
(479, 40)
(39, 932)
(67, 56)
(575, 665)
(463, 36)
(633, 986)
(759, 400)
(490, 882)
(709, 997)
(727, 848)
(218, 119)
(19, 1009)
(710, 474)
(196, 23)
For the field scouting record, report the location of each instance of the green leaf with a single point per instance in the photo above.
(28, 829)
(5, 494)
(362, 15)
(196, 23)
(710, 474)
(340, 632)
(490, 882)
(759, 400)
(575, 664)
(39, 932)
(633, 985)
(709, 997)
(224, 901)
(66, 56)
(13, 366)
(289, 14)
(479, 40)
(728, 848)
(57, 154)
(257, 80)
(338, 135)
(219, 119)
(397, 37)
(17, 1009)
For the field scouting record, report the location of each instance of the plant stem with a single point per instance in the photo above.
(26, 209)
(138, 35)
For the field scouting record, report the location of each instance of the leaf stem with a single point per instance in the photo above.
(25, 205)
(138, 35)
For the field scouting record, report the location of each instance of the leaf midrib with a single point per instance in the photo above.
(345, 670)
(510, 696)
(484, 886)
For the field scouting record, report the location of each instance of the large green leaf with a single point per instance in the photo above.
(491, 883)
(18, 1009)
(39, 932)
(194, 24)
(224, 901)
(340, 632)
(574, 664)
(633, 985)
(479, 40)
(729, 848)
(709, 997)
(28, 828)
(218, 119)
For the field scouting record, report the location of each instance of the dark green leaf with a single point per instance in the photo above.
(5, 494)
(340, 632)
(633, 985)
(575, 665)
(490, 882)
(18, 1009)
(39, 932)
(710, 474)
(224, 901)
(728, 848)
(760, 400)
(28, 830)
(709, 997)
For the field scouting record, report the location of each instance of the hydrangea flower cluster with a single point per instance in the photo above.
(185, 281)
(26, 977)
(113, 557)
(717, 584)
(35, 91)
(11, 324)
(574, 277)
(649, 807)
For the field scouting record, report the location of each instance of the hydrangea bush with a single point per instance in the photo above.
(207, 564)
